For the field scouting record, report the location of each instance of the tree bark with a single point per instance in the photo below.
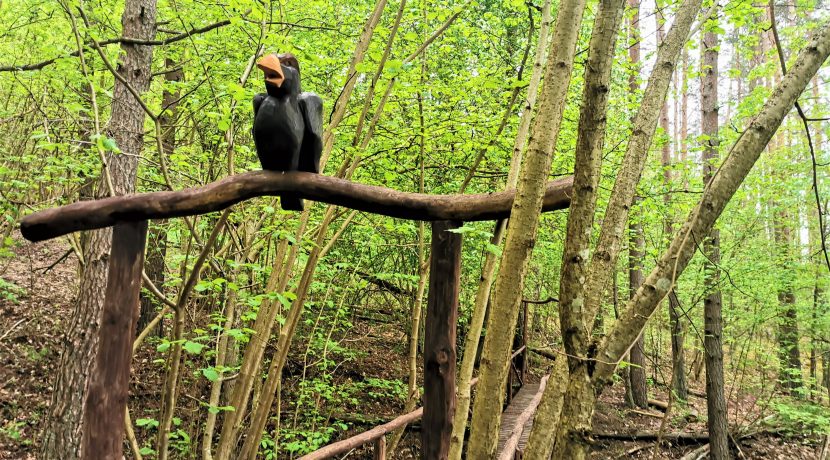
(712, 303)
(521, 234)
(64, 425)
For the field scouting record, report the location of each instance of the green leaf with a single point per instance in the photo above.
(194, 348)
(210, 374)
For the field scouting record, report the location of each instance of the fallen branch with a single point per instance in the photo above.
(677, 438)
(662, 405)
(642, 412)
(543, 353)
(697, 454)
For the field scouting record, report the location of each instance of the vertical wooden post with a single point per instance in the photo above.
(439, 341)
(380, 448)
(110, 378)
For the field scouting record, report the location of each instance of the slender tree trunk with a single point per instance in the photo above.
(789, 353)
(637, 388)
(521, 234)
(488, 271)
(413, 393)
(64, 424)
(676, 322)
(157, 237)
(283, 267)
(818, 292)
(712, 304)
(637, 356)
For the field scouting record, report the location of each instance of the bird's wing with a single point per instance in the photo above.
(258, 101)
(311, 106)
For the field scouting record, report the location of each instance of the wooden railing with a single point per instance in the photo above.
(105, 405)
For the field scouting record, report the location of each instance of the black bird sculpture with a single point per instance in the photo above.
(288, 123)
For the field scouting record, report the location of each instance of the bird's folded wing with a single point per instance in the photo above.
(311, 106)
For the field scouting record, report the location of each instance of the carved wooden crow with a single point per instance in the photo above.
(287, 122)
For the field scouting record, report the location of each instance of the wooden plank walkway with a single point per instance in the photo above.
(525, 401)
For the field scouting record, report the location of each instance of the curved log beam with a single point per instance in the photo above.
(87, 215)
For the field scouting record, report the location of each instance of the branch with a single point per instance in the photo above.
(119, 40)
(384, 284)
(87, 215)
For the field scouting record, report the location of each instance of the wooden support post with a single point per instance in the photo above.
(380, 448)
(110, 378)
(439, 341)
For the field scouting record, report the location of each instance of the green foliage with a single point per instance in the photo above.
(798, 417)
(10, 291)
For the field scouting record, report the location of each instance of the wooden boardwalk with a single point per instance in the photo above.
(513, 438)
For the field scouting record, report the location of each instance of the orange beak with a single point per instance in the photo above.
(273, 70)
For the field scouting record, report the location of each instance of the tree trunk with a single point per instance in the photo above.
(712, 304)
(676, 322)
(521, 234)
(637, 389)
(789, 354)
(64, 424)
(637, 356)
(488, 271)
(157, 238)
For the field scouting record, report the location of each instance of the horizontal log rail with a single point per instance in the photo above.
(87, 215)
(341, 447)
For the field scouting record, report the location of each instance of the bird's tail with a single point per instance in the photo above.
(291, 202)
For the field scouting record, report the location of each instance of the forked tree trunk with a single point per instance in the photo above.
(576, 322)
(712, 303)
(574, 427)
(521, 234)
(644, 126)
(64, 425)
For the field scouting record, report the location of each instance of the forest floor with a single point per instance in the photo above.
(33, 320)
